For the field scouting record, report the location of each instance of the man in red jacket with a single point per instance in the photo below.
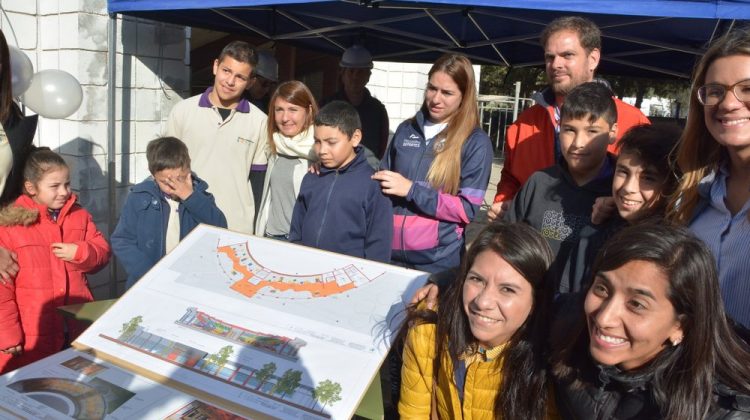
(572, 48)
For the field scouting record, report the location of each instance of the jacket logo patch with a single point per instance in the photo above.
(411, 143)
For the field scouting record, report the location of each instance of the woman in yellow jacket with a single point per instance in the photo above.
(489, 333)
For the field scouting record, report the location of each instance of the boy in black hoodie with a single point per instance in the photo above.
(558, 200)
(342, 209)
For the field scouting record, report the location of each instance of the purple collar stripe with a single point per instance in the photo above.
(243, 106)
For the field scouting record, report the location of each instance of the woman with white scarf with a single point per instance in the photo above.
(290, 141)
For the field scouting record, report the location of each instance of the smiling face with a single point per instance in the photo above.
(334, 148)
(497, 299)
(231, 78)
(52, 190)
(729, 120)
(629, 315)
(567, 63)
(584, 146)
(442, 97)
(290, 118)
(636, 187)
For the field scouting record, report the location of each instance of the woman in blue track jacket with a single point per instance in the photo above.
(436, 169)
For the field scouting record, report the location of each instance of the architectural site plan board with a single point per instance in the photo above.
(258, 327)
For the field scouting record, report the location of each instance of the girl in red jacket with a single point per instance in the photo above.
(56, 243)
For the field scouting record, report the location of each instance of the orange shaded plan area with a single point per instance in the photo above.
(317, 289)
(251, 277)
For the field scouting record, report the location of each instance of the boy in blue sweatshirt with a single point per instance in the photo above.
(558, 201)
(342, 209)
(161, 210)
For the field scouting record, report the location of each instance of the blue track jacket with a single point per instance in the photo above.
(428, 224)
(343, 210)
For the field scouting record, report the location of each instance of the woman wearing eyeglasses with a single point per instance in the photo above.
(713, 155)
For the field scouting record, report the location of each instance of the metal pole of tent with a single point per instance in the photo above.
(515, 100)
(111, 143)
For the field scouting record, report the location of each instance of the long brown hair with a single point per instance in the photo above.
(524, 386)
(710, 352)
(296, 93)
(6, 88)
(445, 171)
(697, 152)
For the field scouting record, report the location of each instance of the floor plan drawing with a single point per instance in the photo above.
(272, 329)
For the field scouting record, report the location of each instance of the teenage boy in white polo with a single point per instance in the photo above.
(225, 134)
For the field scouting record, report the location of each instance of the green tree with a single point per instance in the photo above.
(641, 87)
(221, 357)
(265, 373)
(129, 327)
(500, 80)
(327, 392)
(288, 383)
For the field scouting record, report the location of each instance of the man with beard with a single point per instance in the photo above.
(572, 48)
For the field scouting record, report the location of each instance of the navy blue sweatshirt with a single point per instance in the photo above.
(343, 210)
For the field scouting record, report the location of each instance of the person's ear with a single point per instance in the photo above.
(216, 66)
(613, 133)
(356, 137)
(677, 336)
(593, 60)
(29, 188)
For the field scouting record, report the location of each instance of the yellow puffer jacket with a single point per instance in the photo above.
(480, 389)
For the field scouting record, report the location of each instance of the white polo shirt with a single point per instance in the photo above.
(223, 152)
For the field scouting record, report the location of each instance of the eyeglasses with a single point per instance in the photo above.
(713, 93)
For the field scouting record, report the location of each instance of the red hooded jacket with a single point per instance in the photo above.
(44, 282)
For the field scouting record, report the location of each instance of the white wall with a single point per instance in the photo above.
(400, 87)
(71, 35)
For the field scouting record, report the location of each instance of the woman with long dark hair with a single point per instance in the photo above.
(436, 170)
(480, 355)
(651, 340)
(16, 136)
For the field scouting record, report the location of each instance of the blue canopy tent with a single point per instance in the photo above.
(654, 38)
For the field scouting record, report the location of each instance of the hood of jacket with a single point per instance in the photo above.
(358, 163)
(601, 184)
(545, 97)
(25, 211)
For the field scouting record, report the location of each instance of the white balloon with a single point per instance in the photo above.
(21, 71)
(53, 94)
